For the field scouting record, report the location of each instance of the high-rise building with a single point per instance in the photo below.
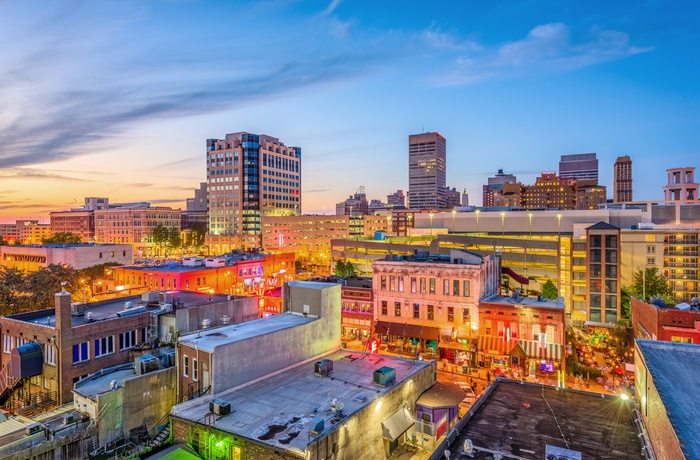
(396, 200)
(681, 185)
(465, 198)
(250, 176)
(356, 205)
(453, 197)
(622, 180)
(495, 186)
(427, 170)
(579, 166)
(196, 211)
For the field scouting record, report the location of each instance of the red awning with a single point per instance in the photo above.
(495, 345)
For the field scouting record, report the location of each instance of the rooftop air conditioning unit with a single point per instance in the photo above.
(384, 376)
(323, 368)
(317, 425)
(145, 364)
(219, 407)
(68, 419)
(168, 357)
(32, 429)
(89, 317)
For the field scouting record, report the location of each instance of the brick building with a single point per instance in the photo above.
(425, 298)
(80, 222)
(521, 332)
(669, 323)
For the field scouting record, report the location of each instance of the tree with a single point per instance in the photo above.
(199, 232)
(650, 283)
(13, 291)
(549, 290)
(43, 284)
(340, 268)
(62, 238)
(349, 269)
(174, 239)
(159, 235)
(625, 302)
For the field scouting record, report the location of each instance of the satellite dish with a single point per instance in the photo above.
(339, 405)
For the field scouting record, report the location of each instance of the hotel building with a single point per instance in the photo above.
(427, 167)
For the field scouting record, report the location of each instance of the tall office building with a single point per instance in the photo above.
(622, 180)
(427, 165)
(579, 166)
(494, 187)
(250, 176)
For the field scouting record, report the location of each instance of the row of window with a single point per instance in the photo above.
(9, 342)
(429, 311)
(427, 285)
(519, 330)
(105, 345)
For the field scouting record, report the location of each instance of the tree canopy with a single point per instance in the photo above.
(344, 268)
(650, 283)
(549, 290)
(62, 238)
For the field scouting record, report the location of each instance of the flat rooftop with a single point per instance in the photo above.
(675, 370)
(107, 309)
(526, 302)
(522, 419)
(13, 429)
(209, 340)
(97, 384)
(64, 246)
(278, 410)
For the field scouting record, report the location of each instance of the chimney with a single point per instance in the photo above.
(63, 310)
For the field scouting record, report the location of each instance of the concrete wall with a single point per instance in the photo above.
(240, 362)
(148, 398)
(239, 310)
(110, 421)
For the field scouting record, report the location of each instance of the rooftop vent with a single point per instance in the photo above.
(658, 301)
(32, 429)
(219, 407)
(112, 384)
(89, 317)
(206, 323)
(323, 368)
(226, 319)
(317, 425)
(78, 308)
(68, 419)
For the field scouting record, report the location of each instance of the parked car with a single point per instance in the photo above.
(468, 390)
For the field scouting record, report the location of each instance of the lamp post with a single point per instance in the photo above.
(503, 223)
(529, 215)
(454, 211)
(431, 224)
(477, 220)
(558, 223)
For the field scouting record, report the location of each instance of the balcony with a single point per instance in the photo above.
(681, 252)
(681, 265)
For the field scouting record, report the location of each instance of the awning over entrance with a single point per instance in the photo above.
(553, 351)
(397, 424)
(495, 345)
(454, 345)
(415, 331)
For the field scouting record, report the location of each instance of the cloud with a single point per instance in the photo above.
(320, 190)
(547, 48)
(109, 79)
(36, 174)
(197, 159)
(437, 38)
(331, 7)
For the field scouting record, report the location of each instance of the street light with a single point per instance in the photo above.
(454, 211)
(431, 224)
(477, 220)
(529, 215)
(211, 291)
(503, 223)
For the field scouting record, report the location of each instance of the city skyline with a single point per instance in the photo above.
(118, 99)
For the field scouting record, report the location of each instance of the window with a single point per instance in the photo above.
(50, 357)
(501, 327)
(651, 249)
(416, 311)
(445, 287)
(422, 285)
(535, 332)
(513, 330)
(127, 340)
(392, 283)
(450, 314)
(455, 287)
(466, 315)
(400, 283)
(7, 343)
(681, 339)
(432, 285)
(195, 370)
(431, 312)
(487, 327)
(413, 285)
(20, 341)
(104, 346)
(80, 352)
(550, 334)
(185, 366)
(384, 308)
(651, 261)
(397, 308)
(466, 288)
(383, 282)
(523, 332)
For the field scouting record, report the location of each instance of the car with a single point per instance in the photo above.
(464, 386)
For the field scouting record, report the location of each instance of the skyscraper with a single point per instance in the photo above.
(622, 179)
(427, 165)
(579, 166)
(250, 176)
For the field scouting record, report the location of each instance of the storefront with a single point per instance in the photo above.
(541, 359)
(457, 352)
(494, 352)
(407, 337)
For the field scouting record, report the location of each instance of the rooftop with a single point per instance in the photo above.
(209, 340)
(456, 256)
(107, 309)
(526, 302)
(674, 369)
(64, 245)
(99, 382)
(278, 410)
(529, 417)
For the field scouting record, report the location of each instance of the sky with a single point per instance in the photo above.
(117, 98)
